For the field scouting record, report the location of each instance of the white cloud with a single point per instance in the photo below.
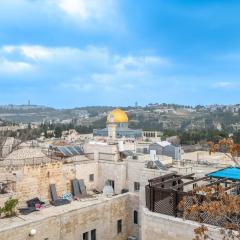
(88, 15)
(35, 52)
(226, 85)
(32, 52)
(13, 67)
(84, 69)
(8, 49)
(131, 62)
(85, 10)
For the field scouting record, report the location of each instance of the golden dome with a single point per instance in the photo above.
(117, 116)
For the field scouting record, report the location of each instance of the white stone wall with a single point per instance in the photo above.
(159, 226)
(133, 205)
(116, 171)
(84, 169)
(134, 172)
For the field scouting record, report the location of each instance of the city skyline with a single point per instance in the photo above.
(72, 53)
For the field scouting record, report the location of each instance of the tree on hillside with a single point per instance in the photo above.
(228, 147)
(236, 137)
(58, 132)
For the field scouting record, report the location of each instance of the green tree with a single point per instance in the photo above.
(236, 137)
(58, 132)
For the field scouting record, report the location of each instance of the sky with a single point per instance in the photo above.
(73, 53)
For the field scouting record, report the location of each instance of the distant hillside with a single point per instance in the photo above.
(151, 117)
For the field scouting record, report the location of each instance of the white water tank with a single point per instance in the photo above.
(108, 191)
(153, 155)
(132, 238)
(120, 146)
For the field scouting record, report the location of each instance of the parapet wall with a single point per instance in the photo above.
(164, 227)
(69, 222)
(33, 180)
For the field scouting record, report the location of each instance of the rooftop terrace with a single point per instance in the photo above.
(52, 211)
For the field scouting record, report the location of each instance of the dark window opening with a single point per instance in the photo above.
(85, 236)
(111, 183)
(93, 234)
(136, 186)
(119, 226)
(135, 217)
(91, 177)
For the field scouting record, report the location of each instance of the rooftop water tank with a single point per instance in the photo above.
(153, 155)
(132, 238)
(108, 191)
(120, 146)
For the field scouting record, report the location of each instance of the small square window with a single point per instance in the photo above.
(91, 177)
(136, 186)
(119, 226)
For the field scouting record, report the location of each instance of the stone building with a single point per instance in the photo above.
(167, 149)
(100, 163)
(96, 216)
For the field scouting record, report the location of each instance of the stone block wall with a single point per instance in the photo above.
(102, 216)
(159, 226)
(133, 205)
(116, 171)
(33, 181)
(134, 172)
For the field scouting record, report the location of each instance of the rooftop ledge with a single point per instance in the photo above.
(177, 220)
(52, 211)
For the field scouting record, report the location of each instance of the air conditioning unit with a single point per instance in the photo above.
(132, 238)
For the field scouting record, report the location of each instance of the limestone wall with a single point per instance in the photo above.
(159, 226)
(84, 169)
(33, 181)
(115, 171)
(134, 172)
(133, 205)
(102, 151)
(102, 216)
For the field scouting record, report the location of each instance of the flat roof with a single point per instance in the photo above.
(52, 211)
(232, 173)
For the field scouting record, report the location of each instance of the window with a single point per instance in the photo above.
(135, 217)
(136, 186)
(119, 226)
(91, 177)
(85, 236)
(111, 183)
(93, 234)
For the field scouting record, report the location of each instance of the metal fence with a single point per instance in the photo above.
(165, 193)
(163, 201)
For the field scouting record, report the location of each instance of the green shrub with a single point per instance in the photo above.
(9, 208)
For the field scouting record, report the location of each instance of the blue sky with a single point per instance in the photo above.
(68, 53)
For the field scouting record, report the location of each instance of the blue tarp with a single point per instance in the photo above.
(232, 173)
